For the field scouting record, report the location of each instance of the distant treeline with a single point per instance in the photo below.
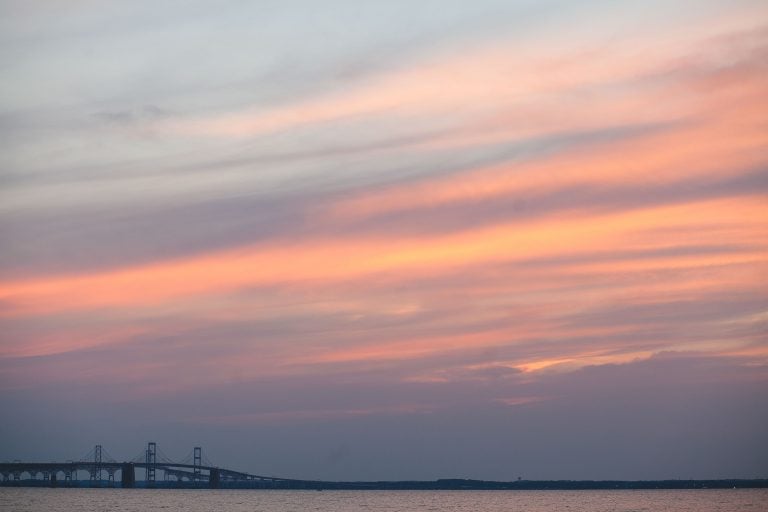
(443, 484)
(539, 485)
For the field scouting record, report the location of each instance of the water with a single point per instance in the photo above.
(139, 500)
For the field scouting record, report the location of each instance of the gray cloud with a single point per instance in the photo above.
(91, 181)
(136, 115)
(674, 416)
(115, 234)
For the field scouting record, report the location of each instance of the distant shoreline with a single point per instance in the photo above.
(433, 485)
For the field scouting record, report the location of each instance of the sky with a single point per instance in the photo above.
(387, 240)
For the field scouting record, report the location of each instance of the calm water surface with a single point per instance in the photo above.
(138, 500)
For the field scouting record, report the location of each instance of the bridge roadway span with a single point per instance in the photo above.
(12, 471)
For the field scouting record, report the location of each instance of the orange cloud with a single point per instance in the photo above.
(340, 259)
(712, 127)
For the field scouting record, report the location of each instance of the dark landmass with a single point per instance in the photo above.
(442, 484)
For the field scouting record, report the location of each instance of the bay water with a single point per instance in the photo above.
(202, 500)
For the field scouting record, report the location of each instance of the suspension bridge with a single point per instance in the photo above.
(196, 471)
(157, 469)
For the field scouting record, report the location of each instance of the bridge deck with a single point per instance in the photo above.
(11, 468)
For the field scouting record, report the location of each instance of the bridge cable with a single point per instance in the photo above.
(88, 457)
(106, 456)
(162, 457)
(189, 459)
(141, 457)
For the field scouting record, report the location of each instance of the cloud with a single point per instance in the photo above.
(670, 405)
(147, 113)
(412, 226)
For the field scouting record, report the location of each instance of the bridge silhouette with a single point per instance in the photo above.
(194, 470)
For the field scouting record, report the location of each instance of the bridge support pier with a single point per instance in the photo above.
(214, 479)
(53, 479)
(128, 475)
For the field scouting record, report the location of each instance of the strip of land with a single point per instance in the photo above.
(442, 484)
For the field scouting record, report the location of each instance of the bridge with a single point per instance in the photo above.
(194, 470)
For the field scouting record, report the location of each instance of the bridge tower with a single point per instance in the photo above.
(198, 461)
(151, 460)
(96, 473)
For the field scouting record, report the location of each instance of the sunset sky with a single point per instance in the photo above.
(388, 240)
